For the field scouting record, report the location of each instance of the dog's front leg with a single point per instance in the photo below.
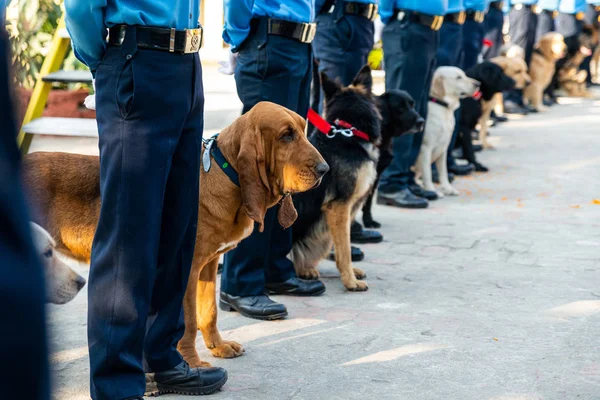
(483, 127)
(207, 314)
(424, 167)
(338, 222)
(442, 167)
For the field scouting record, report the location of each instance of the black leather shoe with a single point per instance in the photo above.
(477, 148)
(296, 287)
(356, 254)
(362, 236)
(190, 381)
(403, 198)
(480, 167)
(461, 170)
(257, 307)
(531, 109)
(510, 107)
(420, 192)
(498, 118)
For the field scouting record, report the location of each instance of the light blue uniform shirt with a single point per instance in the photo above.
(319, 3)
(87, 21)
(476, 5)
(527, 2)
(454, 6)
(572, 6)
(3, 5)
(593, 2)
(239, 13)
(431, 7)
(551, 5)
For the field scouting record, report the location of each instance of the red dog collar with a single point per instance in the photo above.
(477, 95)
(339, 126)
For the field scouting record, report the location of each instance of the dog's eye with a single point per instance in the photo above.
(288, 136)
(459, 77)
(48, 253)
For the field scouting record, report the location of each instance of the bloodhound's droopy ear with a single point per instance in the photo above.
(330, 87)
(252, 172)
(364, 78)
(437, 86)
(287, 212)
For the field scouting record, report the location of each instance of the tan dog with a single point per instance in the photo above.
(269, 149)
(548, 50)
(570, 77)
(62, 283)
(515, 68)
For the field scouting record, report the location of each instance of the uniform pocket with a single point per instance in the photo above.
(345, 32)
(126, 89)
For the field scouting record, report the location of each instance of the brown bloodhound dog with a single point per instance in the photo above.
(269, 149)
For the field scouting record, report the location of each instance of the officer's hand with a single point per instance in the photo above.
(90, 101)
(228, 67)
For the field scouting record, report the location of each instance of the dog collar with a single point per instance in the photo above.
(477, 95)
(439, 101)
(212, 149)
(339, 126)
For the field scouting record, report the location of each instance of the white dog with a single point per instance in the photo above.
(62, 283)
(449, 85)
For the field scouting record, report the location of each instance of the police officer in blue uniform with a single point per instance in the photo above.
(150, 112)
(410, 43)
(569, 21)
(494, 19)
(274, 63)
(473, 32)
(591, 17)
(523, 24)
(342, 44)
(547, 11)
(24, 372)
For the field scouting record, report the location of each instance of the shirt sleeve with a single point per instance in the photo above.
(386, 10)
(238, 14)
(85, 23)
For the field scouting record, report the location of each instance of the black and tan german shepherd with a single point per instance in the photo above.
(325, 213)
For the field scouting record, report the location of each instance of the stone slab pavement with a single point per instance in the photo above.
(494, 294)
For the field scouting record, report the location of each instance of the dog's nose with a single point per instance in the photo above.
(80, 282)
(321, 169)
(420, 124)
(528, 81)
(477, 84)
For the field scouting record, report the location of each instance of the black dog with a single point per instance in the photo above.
(398, 114)
(493, 80)
(351, 150)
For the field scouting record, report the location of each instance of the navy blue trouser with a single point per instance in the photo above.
(24, 370)
(342, 44)
(277, 69)
(409, 51)
(523, 25)
(545, 24)
(494, 19)
(150, 113)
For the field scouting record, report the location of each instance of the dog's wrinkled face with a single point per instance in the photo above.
(397, 109)
(354, 104)
(588, 39)
(453, 83)
(515, 68)
(493, 80)
(552, 44)
(276, 159)
(62, 283)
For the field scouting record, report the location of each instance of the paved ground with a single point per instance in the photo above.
(491, 295)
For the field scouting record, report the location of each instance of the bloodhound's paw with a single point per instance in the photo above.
(228, 349)
(359, 273)
(309, 274)
(357, 286)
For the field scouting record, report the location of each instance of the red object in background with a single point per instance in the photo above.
(487, 43)
(61, 103)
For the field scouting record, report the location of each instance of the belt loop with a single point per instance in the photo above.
(129, 46)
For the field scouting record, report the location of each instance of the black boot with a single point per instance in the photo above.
(185, 380)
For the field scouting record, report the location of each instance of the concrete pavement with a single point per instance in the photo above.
(494, 294)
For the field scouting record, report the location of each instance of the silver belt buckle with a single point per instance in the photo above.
(193, 40)
(372, 11)
(308, 32)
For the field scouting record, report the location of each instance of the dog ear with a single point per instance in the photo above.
(252, 172)
(437, 86)
(330, 87)
(287, 213)
(364, 78)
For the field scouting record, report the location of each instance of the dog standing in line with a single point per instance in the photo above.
(325, 213)
(449, 85)
(550, 48)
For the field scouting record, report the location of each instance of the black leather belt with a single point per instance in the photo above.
(477, 16)
(457, 18)
(302, 32)
(431, 21)
(497, 5)
(162, 39)
(366, 10)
